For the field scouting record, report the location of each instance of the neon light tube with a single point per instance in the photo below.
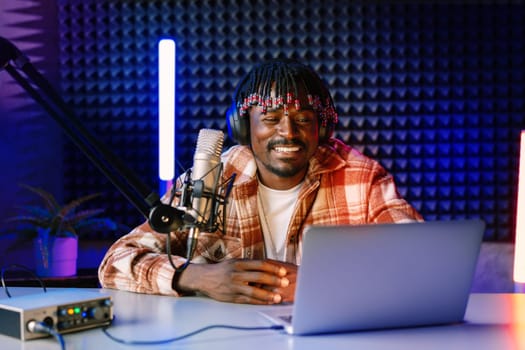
(167, 51)
(519, 248)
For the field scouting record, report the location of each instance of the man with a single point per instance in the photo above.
(290, 173)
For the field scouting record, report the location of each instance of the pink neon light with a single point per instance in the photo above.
(519, 253)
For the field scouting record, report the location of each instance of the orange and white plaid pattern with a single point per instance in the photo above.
(342, 186)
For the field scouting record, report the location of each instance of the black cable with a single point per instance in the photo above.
(33, 326)
(187, 335)
(22, 267)
(170, 257)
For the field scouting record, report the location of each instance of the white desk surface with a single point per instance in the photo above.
(492, 321)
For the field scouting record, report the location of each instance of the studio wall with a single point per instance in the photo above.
(433, 90)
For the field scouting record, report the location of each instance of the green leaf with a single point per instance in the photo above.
(57, 220)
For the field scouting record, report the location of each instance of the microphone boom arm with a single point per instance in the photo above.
(162, 217)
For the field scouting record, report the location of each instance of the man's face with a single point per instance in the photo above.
(283, 145)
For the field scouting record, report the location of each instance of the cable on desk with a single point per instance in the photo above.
(21, 267)
(187, 335)
(40, 327)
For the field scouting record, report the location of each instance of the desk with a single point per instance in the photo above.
(493, 321)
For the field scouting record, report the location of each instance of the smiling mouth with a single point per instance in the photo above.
(287, 149)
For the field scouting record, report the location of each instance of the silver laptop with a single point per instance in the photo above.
(382, 276)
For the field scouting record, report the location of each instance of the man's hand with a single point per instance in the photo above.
(241, 281)
(288, 292)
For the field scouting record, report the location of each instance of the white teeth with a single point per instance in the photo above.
(287, 149)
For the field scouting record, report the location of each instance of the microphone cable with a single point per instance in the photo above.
(41, 327)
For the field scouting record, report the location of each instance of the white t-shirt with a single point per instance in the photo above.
(275, 211)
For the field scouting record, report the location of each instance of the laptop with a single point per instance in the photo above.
(380, 276)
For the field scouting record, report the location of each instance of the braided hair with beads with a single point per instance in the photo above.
(278, 84)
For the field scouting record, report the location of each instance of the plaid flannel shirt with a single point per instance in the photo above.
(342, 186)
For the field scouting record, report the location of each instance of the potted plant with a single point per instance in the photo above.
(55, 229)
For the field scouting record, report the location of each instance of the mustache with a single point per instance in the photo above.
(284, 142)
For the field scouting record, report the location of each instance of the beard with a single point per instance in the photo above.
(284, 170)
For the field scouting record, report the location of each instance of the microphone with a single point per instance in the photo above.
(204, 186)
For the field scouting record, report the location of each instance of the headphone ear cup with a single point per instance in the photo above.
(238, 127)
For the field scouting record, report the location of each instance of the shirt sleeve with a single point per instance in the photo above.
(138, 262)
(385, 203)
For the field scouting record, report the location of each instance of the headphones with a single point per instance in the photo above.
(239, 127)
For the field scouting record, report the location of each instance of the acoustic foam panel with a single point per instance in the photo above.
(432, 91)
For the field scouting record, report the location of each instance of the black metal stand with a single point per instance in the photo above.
(162, 218)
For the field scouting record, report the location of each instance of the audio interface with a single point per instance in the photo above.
(64, 311)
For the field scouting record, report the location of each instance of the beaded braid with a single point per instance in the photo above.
(289, 77)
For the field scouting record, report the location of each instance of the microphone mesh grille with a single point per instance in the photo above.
(210, 142)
